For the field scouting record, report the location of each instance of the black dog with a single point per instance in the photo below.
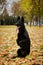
(23, 38)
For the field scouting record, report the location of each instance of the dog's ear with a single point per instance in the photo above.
(18, 18)
(22, 19)
(17, 21)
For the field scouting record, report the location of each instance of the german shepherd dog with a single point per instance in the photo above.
(23, 39)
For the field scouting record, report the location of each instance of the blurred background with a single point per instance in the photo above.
(32, 10)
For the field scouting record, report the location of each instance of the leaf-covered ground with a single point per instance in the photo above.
(9, 47)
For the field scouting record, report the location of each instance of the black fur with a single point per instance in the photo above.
(23, 39)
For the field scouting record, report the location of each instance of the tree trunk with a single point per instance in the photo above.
(39, 11)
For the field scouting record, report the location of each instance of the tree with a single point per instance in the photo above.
(26, 8)
(2, 1)
(2, 5)
(16, 8)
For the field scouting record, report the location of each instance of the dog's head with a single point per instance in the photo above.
(19, 22)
